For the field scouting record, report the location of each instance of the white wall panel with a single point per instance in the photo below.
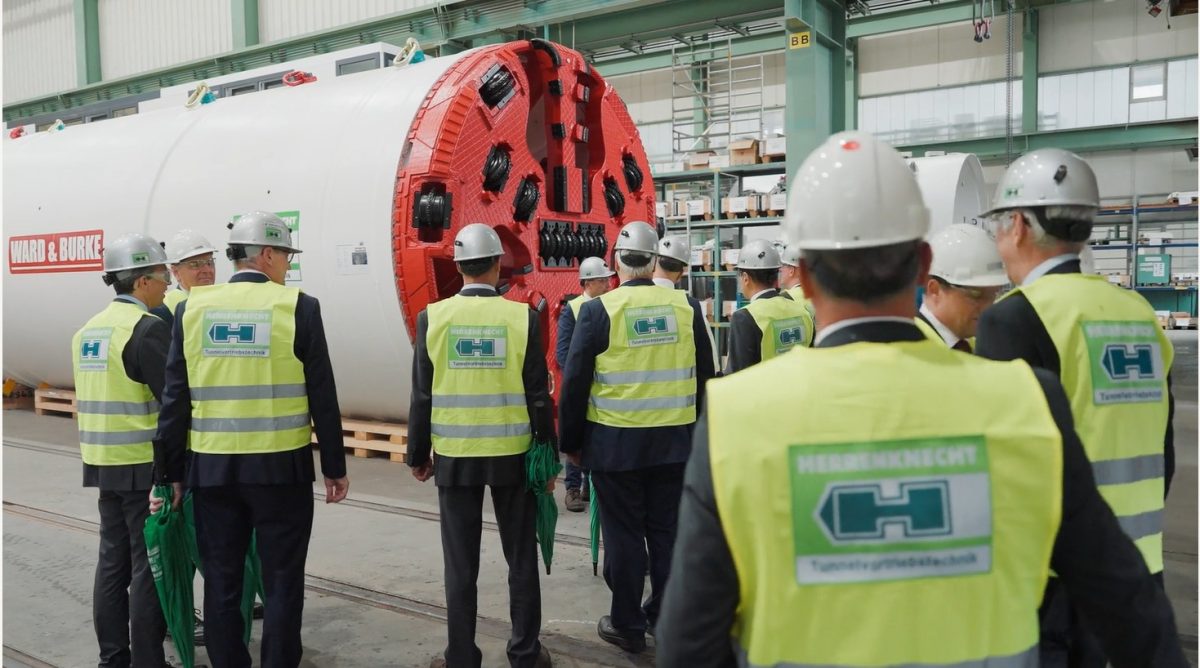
(281, 19)
(1095, 34)
(39, 48)
(933, 57)
(139, 36)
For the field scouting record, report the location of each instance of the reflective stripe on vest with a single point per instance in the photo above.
(117, 415)
(915, 533)
(1114, 360)
(784, 324)
(477, 346)
(647, 376)
(1026, 659)
(172, 299)
(247, 385)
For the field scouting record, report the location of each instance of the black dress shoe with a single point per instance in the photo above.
(543, 658)
(630, 641)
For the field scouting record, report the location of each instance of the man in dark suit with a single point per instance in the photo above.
(1105, 344)
(803, 538)
(627, 410)
(118, 359)
(964, 279)
(479, 394)
(248, 372)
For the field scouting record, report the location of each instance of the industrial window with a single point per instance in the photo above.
(241, 90)
(124, 111)
(78, 120)
(1148, 82)
(92, 118)
(274, 83)
(362, 64)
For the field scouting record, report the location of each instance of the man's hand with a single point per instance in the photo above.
(336, 489)
(576, 458)
(424, 471)
(156, 502)
(550, 484)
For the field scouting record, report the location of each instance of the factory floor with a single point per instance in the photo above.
(375, 566)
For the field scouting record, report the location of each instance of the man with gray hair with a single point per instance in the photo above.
(629, 403)
(1103, 342)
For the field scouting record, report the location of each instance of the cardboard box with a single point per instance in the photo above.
(698, 207)
(699, 159)
(1164, 319)
(663, 209)
(718, 161)
(1183, 198)
(774, 147)
(697, 258)
(729, 258)
(727, 308)
(743, 152)
(1119, 279)
(777, 202)
(741, 204)
(1182, 320)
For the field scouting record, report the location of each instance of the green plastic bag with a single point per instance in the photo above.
(167, 538)
(252, 583)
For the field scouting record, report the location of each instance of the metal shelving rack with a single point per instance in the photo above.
(1129, 221)
(714, 181)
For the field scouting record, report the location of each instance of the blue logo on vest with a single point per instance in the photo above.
(476, 347)
(862, 512)
(1126, 362)
(224, 332)
(656, 325)
(791, 336)
(90, 349)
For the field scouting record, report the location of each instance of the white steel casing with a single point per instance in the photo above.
(953, 189)
(328, 150)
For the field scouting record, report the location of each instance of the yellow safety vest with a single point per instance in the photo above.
(797, 294)
(117, 415)
(1113, 360)
(881, 528)
(647, 376)
(172, 299)
(929, 331)
(784, 324)
(247, 385)
(477, 345)
(576, 304)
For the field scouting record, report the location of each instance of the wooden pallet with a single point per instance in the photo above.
(51, 401)
(365, 438)
(775, 213)
(752, 213)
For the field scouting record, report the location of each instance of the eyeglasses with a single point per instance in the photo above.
(199, 264)
(161, 275)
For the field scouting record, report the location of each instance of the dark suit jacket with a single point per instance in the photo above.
(144, 359)
(469, 471)
(277, 468)
(608, 448)
(1012, 330)
(1100, 567)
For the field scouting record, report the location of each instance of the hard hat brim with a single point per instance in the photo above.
(193, 253)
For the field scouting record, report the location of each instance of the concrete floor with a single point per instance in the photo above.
(375, 585)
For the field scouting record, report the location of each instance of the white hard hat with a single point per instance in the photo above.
(675, 246)
(133, 251)
(1046, 177)
(965, 254)
(594, 267)
(758, 254)
(476, 241)
(854, 191)
(260, 228)
(789, 254)
(637, 236)
(185, 244)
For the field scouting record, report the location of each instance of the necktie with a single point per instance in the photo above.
(963, 345)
